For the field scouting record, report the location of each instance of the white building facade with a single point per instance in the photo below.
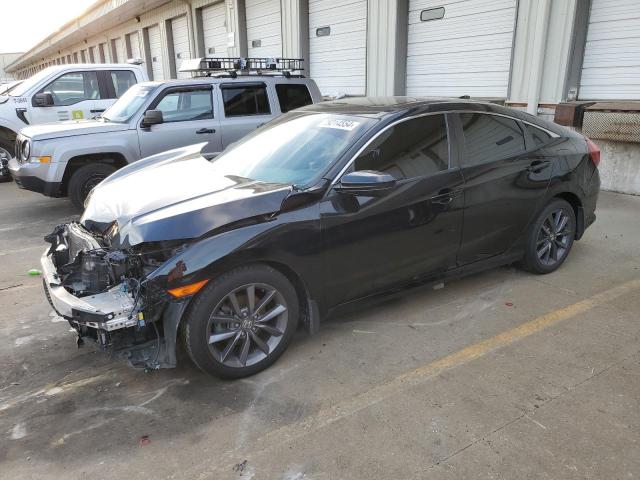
(7, 59)
(528, 54)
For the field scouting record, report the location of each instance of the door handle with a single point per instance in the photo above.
(446, 196)
(206, 130)
(538, 165)
(98, 110)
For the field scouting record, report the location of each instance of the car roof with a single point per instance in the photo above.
(228, 79)
(92, 66)
(398, 107)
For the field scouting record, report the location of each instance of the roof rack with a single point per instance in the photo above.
(243, 66)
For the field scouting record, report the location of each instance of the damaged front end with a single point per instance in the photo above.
(103, 294)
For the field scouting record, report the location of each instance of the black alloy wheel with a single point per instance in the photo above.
(550, 238)
(241, 322)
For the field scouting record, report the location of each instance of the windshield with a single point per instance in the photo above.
(31, 82)
(128, 104)
(297, 149)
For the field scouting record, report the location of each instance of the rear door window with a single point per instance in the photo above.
(242, 100)
(488, 138)
(122, 80)
(292, 96)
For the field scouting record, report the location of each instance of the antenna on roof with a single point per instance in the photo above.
(238, 65)
(465, 97)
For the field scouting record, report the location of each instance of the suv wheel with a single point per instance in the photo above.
(84, 179)
(241, 322)
(550, 238)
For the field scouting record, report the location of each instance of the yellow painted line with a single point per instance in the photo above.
(417, 376)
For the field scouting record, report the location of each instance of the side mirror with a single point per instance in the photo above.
(152, 117)
(366, 182)
(43, 100)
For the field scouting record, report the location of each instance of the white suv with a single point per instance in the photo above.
(62, 92)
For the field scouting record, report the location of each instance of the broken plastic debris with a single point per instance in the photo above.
(144, 440)
(34, 272)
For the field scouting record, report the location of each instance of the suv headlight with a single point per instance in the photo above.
(25, 150)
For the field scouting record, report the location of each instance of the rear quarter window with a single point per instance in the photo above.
(292, 96)
(540, 137)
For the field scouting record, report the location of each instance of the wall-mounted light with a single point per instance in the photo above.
(323, 31)
(256, 43)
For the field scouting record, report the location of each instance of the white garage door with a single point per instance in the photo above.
(214, 30)
(155, 51)
(181, 50)
(264, 31)
(134, 45)
(338, 46)
(611, 66)
(460, 48)
(105, 56)
(120, 56)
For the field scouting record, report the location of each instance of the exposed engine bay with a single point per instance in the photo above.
(105, 297)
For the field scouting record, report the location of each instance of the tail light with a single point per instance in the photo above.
(594, 152)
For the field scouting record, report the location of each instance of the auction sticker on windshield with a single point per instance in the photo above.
(339, 124)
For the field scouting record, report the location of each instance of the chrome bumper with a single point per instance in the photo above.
(111, 310)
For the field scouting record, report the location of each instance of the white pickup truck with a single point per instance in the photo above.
(62, 92)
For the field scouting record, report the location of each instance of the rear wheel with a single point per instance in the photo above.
(241, 322)
(550, 238)
(84, 179)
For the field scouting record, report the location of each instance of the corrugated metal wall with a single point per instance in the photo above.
(611, 65)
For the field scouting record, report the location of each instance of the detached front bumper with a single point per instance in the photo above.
(108, 311)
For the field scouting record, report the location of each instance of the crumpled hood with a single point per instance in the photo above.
(71, 128)
(175, 196)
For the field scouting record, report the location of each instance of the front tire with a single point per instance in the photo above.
(6, 149)
(550, 238)
(241, 322)
(84, 179)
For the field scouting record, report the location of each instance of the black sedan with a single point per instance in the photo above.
(330, 204)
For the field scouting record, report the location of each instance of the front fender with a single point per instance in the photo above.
(124, 143)
(293, 239)
(204, 258)
(8, 125)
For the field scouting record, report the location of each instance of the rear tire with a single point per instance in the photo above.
(241, 322)
(550, 238)
(84, 179)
